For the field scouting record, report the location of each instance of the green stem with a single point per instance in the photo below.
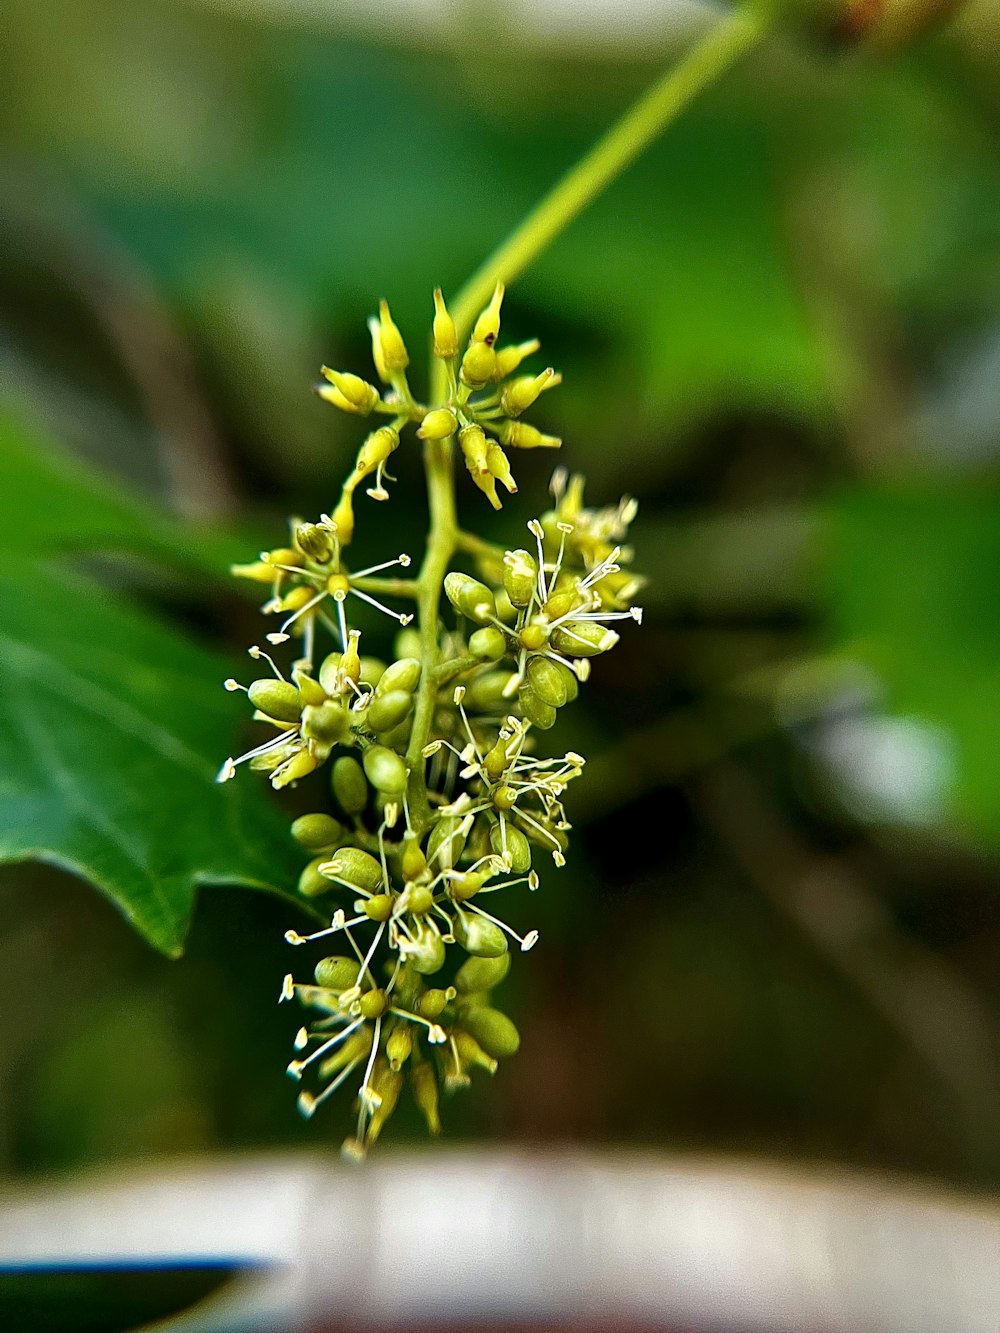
(636, 130)
(718, 49)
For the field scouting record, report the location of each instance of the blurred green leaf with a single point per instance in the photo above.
(56, 504)
(911, 579)
(112, 728)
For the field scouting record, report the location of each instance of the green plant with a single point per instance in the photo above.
(439, 797)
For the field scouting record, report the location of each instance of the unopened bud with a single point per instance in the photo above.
(499, 467)
(318, 832)
(547, 679)
(445, 333)
(470, 597)
(385, 770)
(423, 1085)
(337, 972)
(373, 1004)
(478, 365)
(375, 450)
(403, 674)
(481, 974)
(311, 882)
(394, 354)
(519, 394)
(583, 638)
(387, 710)
(487, 326)
(520, 576)
(360, 396)
(478, 936)
(438, 424)
(535, 709)
(355, 867)
(494, 1031)
(519, 435)
(487, 643)
(509, 358)
(277, 699)
(518, 847)
(471, 1054)
(399, 1047)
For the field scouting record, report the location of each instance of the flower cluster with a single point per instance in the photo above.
(437, 796)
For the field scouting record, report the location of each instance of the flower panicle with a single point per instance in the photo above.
(437, 797)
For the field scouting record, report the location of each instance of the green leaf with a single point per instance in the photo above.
(911, 587)
(57, 504)
(112, 728)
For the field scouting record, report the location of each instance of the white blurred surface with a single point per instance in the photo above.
(448, 1236)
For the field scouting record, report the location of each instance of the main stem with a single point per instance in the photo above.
(636, 130)
(721, 47)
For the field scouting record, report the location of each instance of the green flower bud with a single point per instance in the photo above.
(518, 847)
(376, 449)
(399, 1046)
(373, 1004)
(535, 709)
(432, 1003)
(343, 517)
(475, 450)
(519, 394)
(407, 644)
(379, 907)
(385, 770)
(326, 723)
(387, 710)
(412, 862)
(311, 882)
(485, 692)
(445, 333)
(392, 347)
(494, 1031)
(509, 358)
(481, 974)
(478, 936)
(355, 867)
(446, 842)
(583, 638)
(438, 424)
(487, 326)
(471, 1054)
(349, 785)
(519, 435)
(470, 597)
(427, 954)
(478, 365)
(329, 677)
(388, 1084)
(403, 674)
(498, 466)
(424, 1086)
(487, 643)
(315, 542)
(372, 671)
(337, 972)
(277, 699)
(520, 576)
(318, 832)
(547, 679)
(360, 396)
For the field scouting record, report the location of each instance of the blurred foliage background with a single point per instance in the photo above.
(779, 928)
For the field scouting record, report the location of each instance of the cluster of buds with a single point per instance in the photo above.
(436, 796)
(483, 407)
